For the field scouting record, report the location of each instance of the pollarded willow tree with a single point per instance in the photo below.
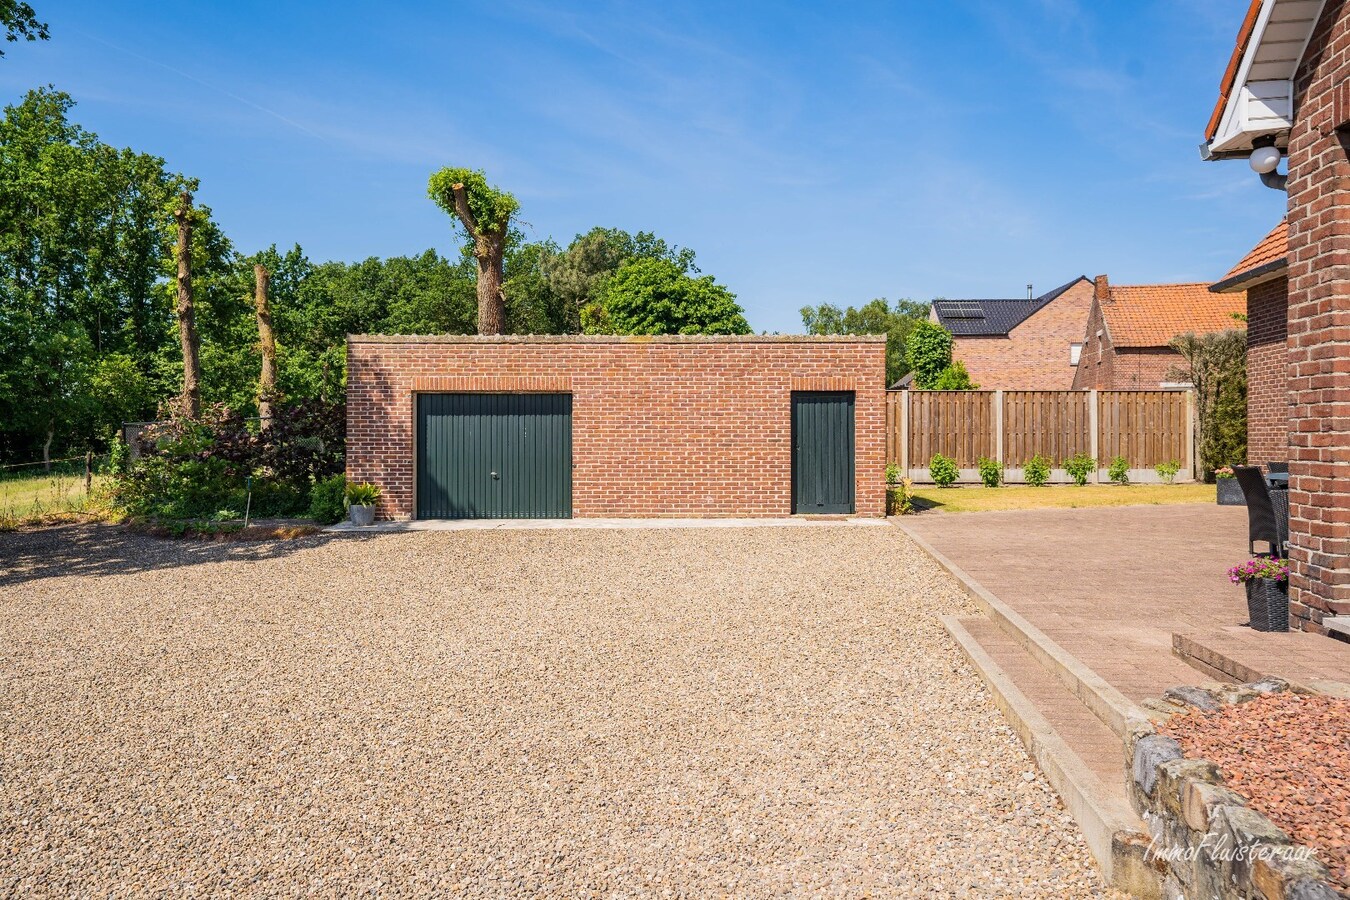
(485, 213)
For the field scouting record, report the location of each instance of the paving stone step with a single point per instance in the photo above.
(1081, 756)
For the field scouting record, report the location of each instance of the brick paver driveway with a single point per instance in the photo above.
(694, 712)
(1109, 585)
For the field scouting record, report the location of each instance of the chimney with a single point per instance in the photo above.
(1102, 289)
(1029, 294)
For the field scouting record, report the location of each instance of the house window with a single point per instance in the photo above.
(1075, 353)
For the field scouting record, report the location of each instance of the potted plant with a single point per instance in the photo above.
(1267, 583)
(361, 502)
(1230, 492)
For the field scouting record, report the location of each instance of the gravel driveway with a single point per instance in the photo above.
(673, 712)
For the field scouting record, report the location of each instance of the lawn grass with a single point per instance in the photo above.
(45, 497)
(977, 498)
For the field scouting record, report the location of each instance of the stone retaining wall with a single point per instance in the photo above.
(1206, 841)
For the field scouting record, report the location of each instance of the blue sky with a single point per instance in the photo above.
(808, 153)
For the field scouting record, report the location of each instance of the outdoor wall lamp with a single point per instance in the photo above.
(1265, 159)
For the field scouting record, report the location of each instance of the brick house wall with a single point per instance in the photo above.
(1097, 365)
(1267, 376)
(661, 426)
(1035, 354)
(1319, 324)
(1106, 367)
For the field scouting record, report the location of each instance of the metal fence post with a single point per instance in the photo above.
(1094, 416)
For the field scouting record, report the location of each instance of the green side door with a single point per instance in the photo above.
(494, 456)
(822, 452)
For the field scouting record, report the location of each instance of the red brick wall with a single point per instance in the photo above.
(1035, 355)
(661, 426)
(1267, 372)
(1096, 367)
(1319, 327)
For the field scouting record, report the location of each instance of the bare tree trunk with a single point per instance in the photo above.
(267, 383)
(187, 323)
(491, 300)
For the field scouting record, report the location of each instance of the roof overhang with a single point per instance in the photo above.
(1252, 277)
(1256, 99)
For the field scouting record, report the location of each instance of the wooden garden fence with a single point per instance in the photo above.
(1145, 427)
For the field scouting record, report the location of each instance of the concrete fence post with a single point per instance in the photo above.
(1094, 416)
(998, 427)
(1191, 456)
(904, 433)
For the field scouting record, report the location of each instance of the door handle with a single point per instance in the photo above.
(495, 476)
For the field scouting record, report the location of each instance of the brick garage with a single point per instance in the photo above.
(661, 426)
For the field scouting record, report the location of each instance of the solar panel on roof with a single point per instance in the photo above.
(962, 310)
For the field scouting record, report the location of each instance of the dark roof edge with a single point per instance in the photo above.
(1054, 294)
(1252, 277)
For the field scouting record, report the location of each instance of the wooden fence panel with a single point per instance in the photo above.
(894, 422)
(1145, 427)
(958, 424)
(1054, 424)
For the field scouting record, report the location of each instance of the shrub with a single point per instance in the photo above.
(954, 378)
(900, 498)
(943, 469)
(363, 494)
(1036, 472)
(1119, 472)
(991, 472)
(892, 473)
(1168, 471)
(1080, 466)
(327, 500)
(928, 350)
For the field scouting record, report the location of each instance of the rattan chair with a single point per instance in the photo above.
(1267, 511)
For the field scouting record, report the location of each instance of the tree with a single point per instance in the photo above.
(485, 213)
(653, 296)
(954, 378)
(187, 323)
(267, 346)
(577, 276)
(928, 351)
(876, 317)
(20, 21)
(1215, 365)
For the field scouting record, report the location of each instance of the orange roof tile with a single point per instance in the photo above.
(1230, 74)
(1274, 246)
(1150, 315)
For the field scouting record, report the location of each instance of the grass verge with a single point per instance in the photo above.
(977, 498)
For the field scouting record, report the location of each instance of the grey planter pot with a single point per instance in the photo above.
(1230, 492)
(361, 515)
(1268, 604)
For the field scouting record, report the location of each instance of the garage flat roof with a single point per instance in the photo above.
(616, 339)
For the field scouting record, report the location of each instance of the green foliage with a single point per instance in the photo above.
(1215, 365)
(943, 470)
(1080, 467)
(363, 494)
(1119, 471)
(900, 498)
(1036, 471)
(327, 499)
(876, 317)
(1167, 471)
(19, 20)
(491, 207)
(954, 378)
(653, 296)
(892, 473)
(991, 472)
(576, 277)
(928, 350)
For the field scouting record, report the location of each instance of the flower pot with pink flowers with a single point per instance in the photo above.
(1229, 491)
(1267, 583)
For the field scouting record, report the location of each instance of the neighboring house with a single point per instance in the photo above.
(1286, 92)
(1264, 275)
(1130, 326)
(1030, 344)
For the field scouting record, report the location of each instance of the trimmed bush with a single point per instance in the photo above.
(943, 469)
(327, 500)
(892, 473)
(1036, 472)
(1119, 472)
(1080, 466)
(1168, 471)
(991, 472)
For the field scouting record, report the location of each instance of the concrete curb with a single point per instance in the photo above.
(1105, 701)
(1114, 834)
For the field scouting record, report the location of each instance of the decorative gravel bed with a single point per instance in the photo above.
(1289, 756)
(683, 713)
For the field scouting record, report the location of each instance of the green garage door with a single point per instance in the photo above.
(494, 456)
(822, 451)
